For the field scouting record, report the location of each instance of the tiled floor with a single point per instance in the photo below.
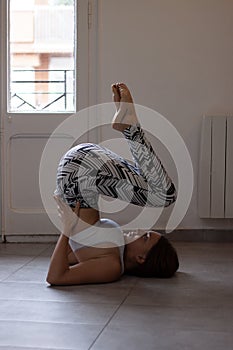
(192, 311)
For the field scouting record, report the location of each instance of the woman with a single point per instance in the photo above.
(95, 250)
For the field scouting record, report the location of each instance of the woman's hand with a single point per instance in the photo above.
(68, 216)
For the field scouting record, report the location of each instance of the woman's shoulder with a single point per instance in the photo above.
(108, 223)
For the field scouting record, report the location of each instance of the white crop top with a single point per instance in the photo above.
(105, 232)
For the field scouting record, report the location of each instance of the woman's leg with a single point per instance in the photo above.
(89, 170)
(76, 177)
(145, 158)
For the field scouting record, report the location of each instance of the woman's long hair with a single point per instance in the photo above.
(161, 261)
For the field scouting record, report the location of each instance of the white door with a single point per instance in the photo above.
(43, 81)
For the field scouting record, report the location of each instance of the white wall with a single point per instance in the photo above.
(177, 58)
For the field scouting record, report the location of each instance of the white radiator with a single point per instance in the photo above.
(215, 182)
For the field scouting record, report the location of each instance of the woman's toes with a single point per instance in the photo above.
(124, 92)
(115, 92)
(116, 96)
(125, 114)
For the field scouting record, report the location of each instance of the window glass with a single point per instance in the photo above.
(42, 56)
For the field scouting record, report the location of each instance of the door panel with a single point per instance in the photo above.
(24, 137)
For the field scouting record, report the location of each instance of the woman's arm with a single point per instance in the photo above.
(59, 263)
(103, 269)
(99, 270)
(63, 255)
(72, 258)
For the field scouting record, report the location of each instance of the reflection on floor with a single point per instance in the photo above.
(193, 310)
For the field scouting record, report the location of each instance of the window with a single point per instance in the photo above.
(42, 56)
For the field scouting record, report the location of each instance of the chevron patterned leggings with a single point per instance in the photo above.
(88, 170)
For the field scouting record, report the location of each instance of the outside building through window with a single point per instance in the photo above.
(42, 56)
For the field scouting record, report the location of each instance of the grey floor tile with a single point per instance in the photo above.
(40, 261)
(196, 292)
(19, 249)
(4, 274)
(103, 293)
(132, 338)
(49, 250)
(191, 311)
(23, 348)
(9, 264)
(14, 260)
(29, 274)
(28, 348)
(47, 335)
(216, 319)
(56, 312)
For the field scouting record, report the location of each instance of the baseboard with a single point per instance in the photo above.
(179, 235)
(201, 235)
(33, 238)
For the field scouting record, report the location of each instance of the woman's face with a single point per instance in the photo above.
(141, 241)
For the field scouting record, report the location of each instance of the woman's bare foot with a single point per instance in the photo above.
(116, 96)
(125, 114)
